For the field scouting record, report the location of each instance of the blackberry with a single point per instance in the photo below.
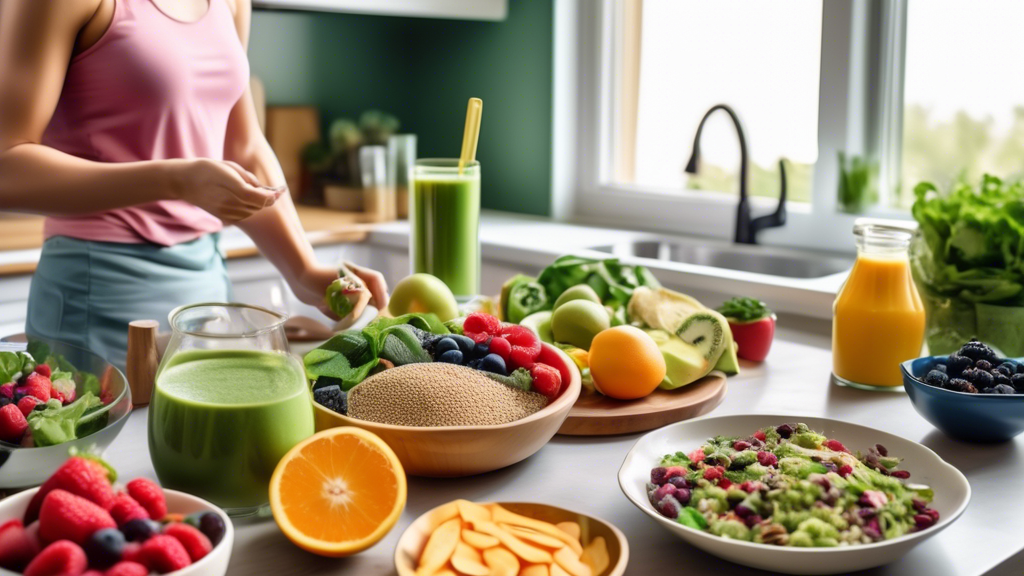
(1003, 389)
(936, 378)
(961, 385)
(979, 378)
(1020, 367)
(940, 368)
(1000, 378)
(956, 364)
(1017, 381)
(332, 398)
(978, 351)
(983, 365)
(1007, 368)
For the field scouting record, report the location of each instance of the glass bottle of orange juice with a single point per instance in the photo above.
(878, 317)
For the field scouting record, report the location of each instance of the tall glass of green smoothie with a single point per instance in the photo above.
(444, 214)
(229, 402)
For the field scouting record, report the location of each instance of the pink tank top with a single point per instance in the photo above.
(151, 88)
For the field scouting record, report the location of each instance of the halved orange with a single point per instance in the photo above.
(338, 492)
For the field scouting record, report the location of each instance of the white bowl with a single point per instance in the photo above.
(213, 564)
(952, 492)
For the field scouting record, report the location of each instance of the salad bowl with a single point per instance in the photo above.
(951, 489)
(213, 564)
(21, 466)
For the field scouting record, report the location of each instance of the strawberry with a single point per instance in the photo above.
(752, 325)
(520, 358)
(195, 542)
(83, 476)
(38, 385)
(44, 369)
(27, 404)
(150, 496)
(125, 509)
(62, 558)
(501, 347)
(126, 569)
(163, 553)
(546, 380)
(12, 424)
(480, 326)
(66, 516)
(522, 338)
(17, 546)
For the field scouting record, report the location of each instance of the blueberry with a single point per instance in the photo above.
(940, 368)
(494, 364)
(1000, 378)
(451, 357)
(443, 345)
(474, 363)
(1017, 381)
(212, 525)
(465, 343)
(1003, 389)
(936, 378)
(104, 547)
(979, 378)
(5, 401)
(1006, 369)
(481, 349)
(332, 398)
(987, 391)
(956, 364)
(140, 529)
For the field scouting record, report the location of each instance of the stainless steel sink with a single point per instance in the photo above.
(759, 259)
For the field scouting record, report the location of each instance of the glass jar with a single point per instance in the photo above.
(229, 401)
(878, 318)
(444, 214)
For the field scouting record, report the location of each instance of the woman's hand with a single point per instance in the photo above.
(311, 286)
(222, 188)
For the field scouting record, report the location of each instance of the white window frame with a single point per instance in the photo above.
(860, 112)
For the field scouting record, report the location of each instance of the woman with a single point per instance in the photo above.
(130, 125)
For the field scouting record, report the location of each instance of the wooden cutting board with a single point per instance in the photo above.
(597, 415)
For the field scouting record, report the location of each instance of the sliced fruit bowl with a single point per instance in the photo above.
(411, 545)
(452, 451)
(214, 564)
(22, 467)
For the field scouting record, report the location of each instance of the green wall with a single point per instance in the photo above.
(424, 70)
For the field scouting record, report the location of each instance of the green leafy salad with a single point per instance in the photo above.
(790, 486)
(968, 262)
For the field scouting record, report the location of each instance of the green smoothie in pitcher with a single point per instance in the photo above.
(220, 420)
(444, 213)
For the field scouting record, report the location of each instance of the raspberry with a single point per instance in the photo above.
(163, 553)
(70, 517)
(767, 459)
(61, 557)
(28, 404)
(44, 369)
(546, 380)
(845, 470)
(195, 542)
(12, 424)
(501, 347)
(760, 435)
(125, 509)
(39, 386)
(150, 495)
(17, 546)
(481, 323)
(724, 483)
(712, 474)
(126, 569)
(7, 391)
(85, 477)
(523, 341)
(697, 456)
(740, 445)
(835, 446)
(520, 358)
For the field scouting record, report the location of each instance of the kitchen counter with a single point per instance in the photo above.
(580, 473)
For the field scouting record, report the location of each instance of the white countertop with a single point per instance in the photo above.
(580, 473)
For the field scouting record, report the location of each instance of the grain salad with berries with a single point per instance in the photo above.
(788, 485)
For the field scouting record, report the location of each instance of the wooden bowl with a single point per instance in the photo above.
(410, 545)
(452, 451)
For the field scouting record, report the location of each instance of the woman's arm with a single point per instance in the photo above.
(37, 40)
(277, 231)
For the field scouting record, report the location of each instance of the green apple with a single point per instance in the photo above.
(577, 292)
(423, 293)
(577, 322)
(540, 323)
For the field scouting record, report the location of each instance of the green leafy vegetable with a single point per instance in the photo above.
(57, 424)
(10, 366)
(743, 309)
(519, 378)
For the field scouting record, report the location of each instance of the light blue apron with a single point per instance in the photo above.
(85, 293)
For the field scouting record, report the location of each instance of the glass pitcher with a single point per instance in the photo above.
(878, 317)
(229, 402)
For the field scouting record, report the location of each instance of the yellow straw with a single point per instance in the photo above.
(471, 135)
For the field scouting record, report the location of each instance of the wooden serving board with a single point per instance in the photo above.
(597, 415)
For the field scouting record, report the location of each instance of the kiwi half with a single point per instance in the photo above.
(708, 332)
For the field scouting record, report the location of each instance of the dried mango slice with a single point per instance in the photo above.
(440, 547)
(503, 516)
(536, 570)
(521, 549)
(570, 528)
(596, 556)
(501, 562)
(478, 540)
(571, 563)
(472, 512)
(534, 537)
(467, 560)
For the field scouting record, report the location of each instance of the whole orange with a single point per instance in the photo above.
(625, 363)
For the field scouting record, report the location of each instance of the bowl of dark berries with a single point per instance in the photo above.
(972, 394)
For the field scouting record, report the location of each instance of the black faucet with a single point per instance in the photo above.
(746, 229)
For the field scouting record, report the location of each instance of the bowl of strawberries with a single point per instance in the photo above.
(55, 397)
(82, 522)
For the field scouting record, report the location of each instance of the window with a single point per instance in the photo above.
(904, 90)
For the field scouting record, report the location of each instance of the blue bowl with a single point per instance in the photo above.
(971, 417)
